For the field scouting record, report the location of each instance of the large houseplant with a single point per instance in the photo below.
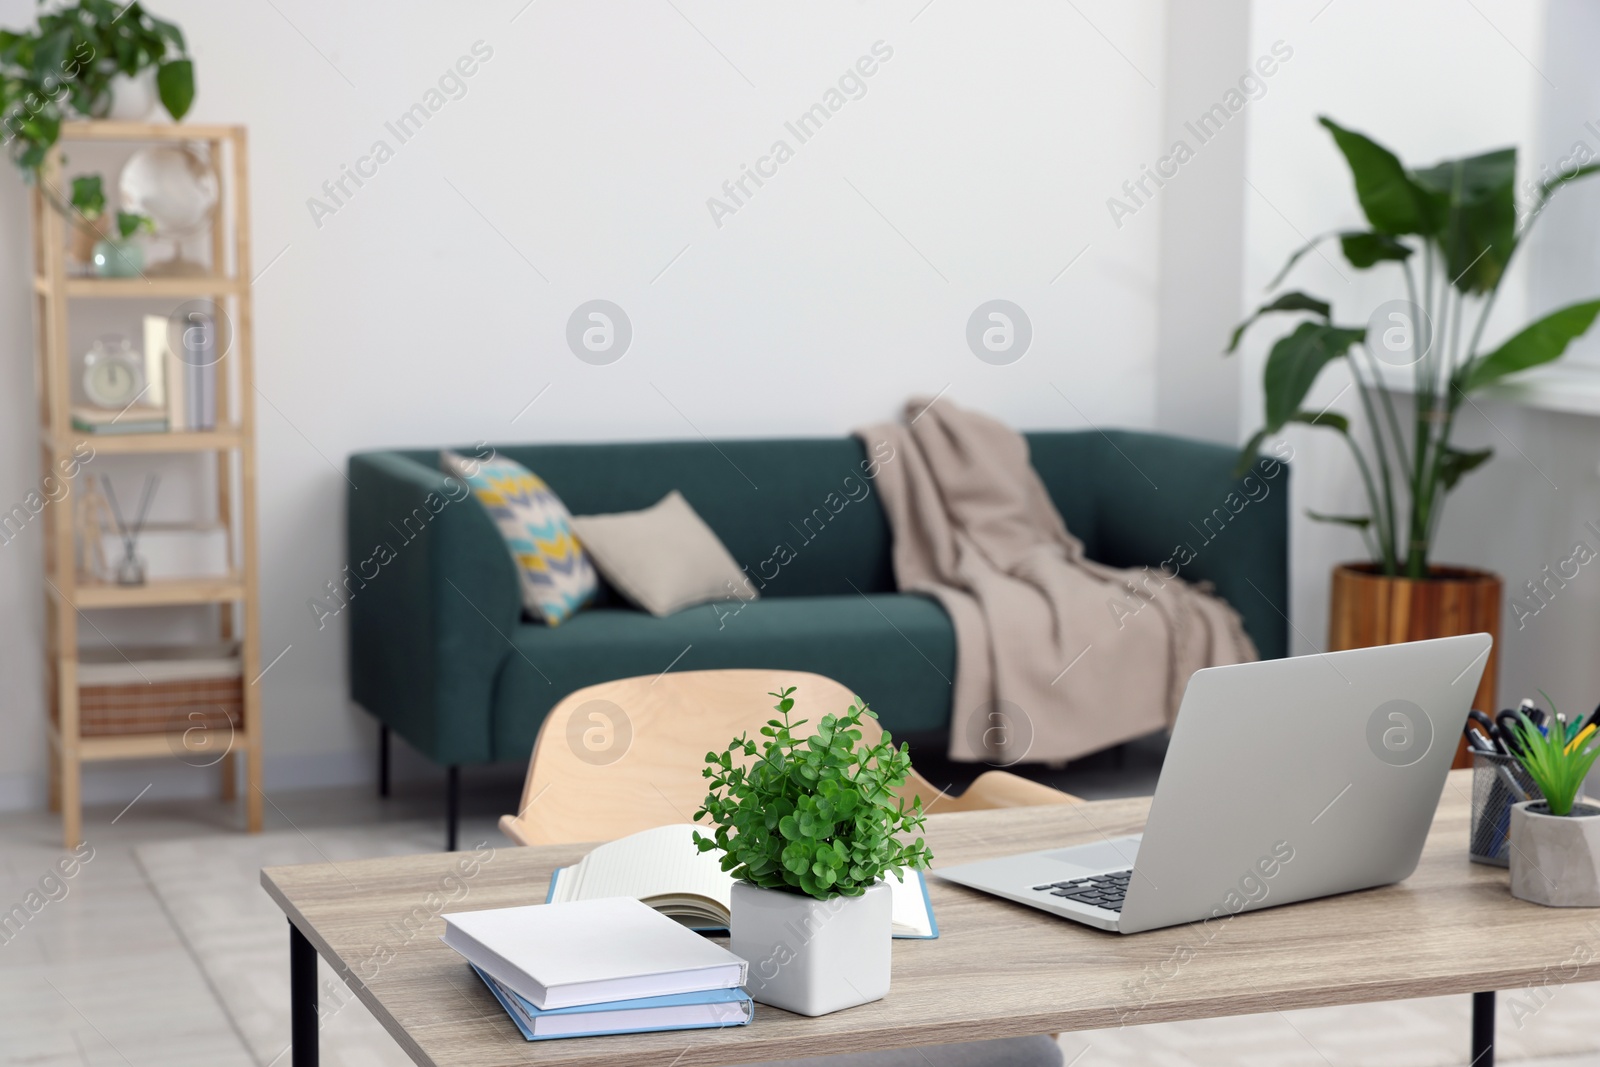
(1458, 221)
(809, 827)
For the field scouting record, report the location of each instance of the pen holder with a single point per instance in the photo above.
(1492, 797)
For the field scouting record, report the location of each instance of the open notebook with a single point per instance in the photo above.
(663, 868)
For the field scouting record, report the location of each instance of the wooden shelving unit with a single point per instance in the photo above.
(235, 595)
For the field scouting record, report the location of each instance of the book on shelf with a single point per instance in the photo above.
(189, 378)
(708, 1009)
(590, 952)
(663, 868)
(104, 422)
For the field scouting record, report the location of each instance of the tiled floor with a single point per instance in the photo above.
(100, 976)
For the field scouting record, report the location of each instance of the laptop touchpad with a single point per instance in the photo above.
(1100, 856)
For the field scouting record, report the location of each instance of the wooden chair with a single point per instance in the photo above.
(625, 756)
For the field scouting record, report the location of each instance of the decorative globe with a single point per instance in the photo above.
(173, 185)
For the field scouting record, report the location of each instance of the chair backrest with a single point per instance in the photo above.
(624, 756)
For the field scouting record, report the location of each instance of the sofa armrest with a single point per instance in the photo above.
(433, 600)
(1163, 500)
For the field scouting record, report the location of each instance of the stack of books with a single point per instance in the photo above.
(608, 966)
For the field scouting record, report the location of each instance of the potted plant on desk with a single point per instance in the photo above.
(1449, 232)
(1555, 842)
(808, 829)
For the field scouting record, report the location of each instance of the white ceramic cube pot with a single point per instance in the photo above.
(813, 956)
(1555, 859)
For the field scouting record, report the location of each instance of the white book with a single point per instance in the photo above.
(663, 868)
(590, 952)
(155, 361)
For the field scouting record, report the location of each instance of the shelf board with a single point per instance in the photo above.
(196, 287)
(106, 130)
(127, 443)
(145, 746)
(158, 592)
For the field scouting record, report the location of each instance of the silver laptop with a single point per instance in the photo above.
(1284, 780)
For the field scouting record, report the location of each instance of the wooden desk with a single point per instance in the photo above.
(998, 970)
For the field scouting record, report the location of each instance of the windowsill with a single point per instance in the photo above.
(1574, 389)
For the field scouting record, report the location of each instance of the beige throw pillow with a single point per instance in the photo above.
(664, 558)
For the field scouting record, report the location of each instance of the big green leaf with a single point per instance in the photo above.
(1454, 462)
(1392, 202)
(1548, 188)
(1363, 248)
(1296, 361)
(175, 82)
(1295, 301)
(1480, 229)
(1538, 343)
(1329, 419)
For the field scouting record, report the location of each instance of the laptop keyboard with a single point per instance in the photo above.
(1101, 890)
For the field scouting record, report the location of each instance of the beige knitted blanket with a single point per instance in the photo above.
(1051, 662)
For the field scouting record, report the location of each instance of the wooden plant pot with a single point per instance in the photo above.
(1368, 608)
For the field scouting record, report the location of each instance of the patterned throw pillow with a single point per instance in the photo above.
(557, 577)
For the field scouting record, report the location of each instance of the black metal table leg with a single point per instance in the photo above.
(302, 999)
(383, 761)
(452, 814)
(1482, 1030)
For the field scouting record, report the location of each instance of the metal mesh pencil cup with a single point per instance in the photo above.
(1492, 798)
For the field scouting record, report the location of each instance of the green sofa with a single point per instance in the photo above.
(441, 653)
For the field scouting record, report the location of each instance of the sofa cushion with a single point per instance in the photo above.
(664, 558)
(896, 651)
(557, 578)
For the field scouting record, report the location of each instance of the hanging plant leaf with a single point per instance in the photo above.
(175, 82)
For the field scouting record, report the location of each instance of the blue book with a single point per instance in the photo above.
(710, 1009)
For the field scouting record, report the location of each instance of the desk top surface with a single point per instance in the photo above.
(997, 970)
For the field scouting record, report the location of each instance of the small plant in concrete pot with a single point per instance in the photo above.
(809, 829)
(1555, 842)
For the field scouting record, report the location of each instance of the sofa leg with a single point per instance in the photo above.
(452, 806)
(383, 761)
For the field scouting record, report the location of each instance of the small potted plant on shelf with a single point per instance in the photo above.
(1555, 842)
(87, 218)
(810, 828)
(119, 255)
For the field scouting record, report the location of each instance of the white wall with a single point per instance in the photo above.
(1432, 80)
(432, 306)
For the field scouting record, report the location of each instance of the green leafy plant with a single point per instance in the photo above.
(130, 223)
(89, 196)
(1459, 218)
(817, 815)
(1557, 761)
(65, 65)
